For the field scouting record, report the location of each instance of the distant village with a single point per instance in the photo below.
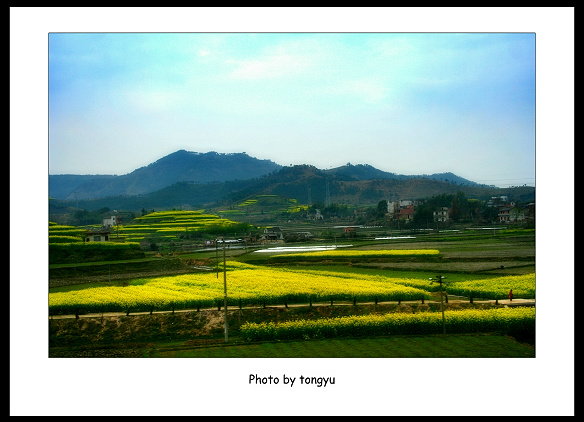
(404, 210)
(508, 212)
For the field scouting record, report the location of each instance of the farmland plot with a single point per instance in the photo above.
(256, 285)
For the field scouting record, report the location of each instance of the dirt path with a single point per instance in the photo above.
(505, 303)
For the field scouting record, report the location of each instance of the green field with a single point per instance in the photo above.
(477, 265)
(436, 346)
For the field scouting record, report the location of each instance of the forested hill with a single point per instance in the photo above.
(306, 184)
(180, 166)
(211, 167)
(367, 172)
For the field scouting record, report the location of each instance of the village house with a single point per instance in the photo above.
(297, 236)
(112, 221)
(504, 214)
(509, 211)
(497, 201)
(272, 234)
(406, 213)
(401, 210)
(511, 214)
(441, 215)
(316, 216)
(393, 207)
(97, 236)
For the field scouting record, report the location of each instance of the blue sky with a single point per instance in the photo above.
(408, 103)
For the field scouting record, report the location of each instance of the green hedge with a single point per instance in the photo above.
(60, 253)
(504, 320)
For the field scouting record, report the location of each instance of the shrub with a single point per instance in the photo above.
(93, 252)
(504, 320)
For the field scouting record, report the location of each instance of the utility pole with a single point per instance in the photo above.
(224, 284)
(216, 259)
(438, 280)
(225, 293)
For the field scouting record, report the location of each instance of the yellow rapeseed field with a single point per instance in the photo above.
(247, 284)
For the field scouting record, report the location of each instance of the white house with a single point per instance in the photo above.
(316, 216)
(441, 215)
(114, 220)
(498, 201)
(511, 214)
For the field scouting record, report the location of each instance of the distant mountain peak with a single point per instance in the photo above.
(179, 166)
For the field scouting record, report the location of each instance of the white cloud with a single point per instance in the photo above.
(274, 66)
(154, 100)
(369, 90)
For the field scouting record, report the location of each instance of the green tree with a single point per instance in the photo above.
(489, 214)
(382, 207)
(461, 209)
(424, 214)
(455, 209)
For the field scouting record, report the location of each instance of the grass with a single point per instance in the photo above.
(98, 263)
(431, 346)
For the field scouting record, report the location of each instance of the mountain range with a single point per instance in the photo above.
(180, 166)
(200, 179)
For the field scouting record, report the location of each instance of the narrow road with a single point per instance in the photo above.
(505, 302)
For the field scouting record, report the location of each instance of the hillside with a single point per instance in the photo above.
(66, 186)
(367, 172)
(192, 180)
(204, 168)
(305, 184)
(180, 166)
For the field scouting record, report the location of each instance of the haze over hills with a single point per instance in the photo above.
(203, 179)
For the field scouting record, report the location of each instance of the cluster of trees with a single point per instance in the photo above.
(332, 210)
(212, 231)
(374, 215)
(86, 218)
(462, 210)
(83, 217)
(337, 211)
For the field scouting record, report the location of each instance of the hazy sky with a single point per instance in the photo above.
(408, 103)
